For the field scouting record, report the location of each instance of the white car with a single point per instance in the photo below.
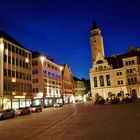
(6, 113)
(58, 105)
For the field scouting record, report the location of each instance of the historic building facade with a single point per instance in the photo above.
(67, 84)
(15, 73)
(119, 73)
(46, 80)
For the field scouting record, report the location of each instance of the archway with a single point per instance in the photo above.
(109, 94)
(134, 94)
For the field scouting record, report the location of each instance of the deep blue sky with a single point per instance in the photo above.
(61, 28)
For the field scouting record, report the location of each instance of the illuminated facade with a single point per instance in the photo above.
(15, 73)
(82, 89)
(67, 84)
(46, 80)
(115, 74)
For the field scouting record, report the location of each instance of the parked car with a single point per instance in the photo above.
(58, 105)
(22, 111)
(36, 108)
(7, 113)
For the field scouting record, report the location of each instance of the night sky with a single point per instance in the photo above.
(61, 28)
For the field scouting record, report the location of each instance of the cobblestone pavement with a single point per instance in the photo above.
(98, 122)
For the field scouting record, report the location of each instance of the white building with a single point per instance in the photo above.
(115, 74)
(46, 80)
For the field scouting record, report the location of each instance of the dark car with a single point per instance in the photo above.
(36, 108)
(22, 111)
(7, 113)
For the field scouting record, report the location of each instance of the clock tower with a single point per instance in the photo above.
(96, 42)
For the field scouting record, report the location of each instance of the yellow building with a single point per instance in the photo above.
(15, 73)
(115, 74)
(46, 80)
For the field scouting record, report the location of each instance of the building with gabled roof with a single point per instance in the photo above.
(119, 73)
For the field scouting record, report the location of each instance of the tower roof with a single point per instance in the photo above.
(94, 25)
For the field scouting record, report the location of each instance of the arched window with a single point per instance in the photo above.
(108, 80)
(95, 82)
(101, 80)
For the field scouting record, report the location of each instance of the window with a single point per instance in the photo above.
(5, 45)
(5, 72)
(108, 80)
(20, 63)
(49, 73)
(16, 50)
(44, 72)
(17, 61)
(27, 65)
(95, 82)
(9, 59)
(100, 68)
(127, 70)
(13, 73)
(5, 58)
(35, 72)
(130, 70)
(13, 48)
(9, 73)
(9, 47)
(126, 63)
(132, 61)
(118, 82)
(49, 90)
(13, 60)
(17, 74)
(101, 80)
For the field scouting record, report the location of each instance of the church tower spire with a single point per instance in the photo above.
(96, 42)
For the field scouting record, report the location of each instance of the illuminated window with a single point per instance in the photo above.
(49, 73)
(53, 74)
(44, 72)
(35, 72)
